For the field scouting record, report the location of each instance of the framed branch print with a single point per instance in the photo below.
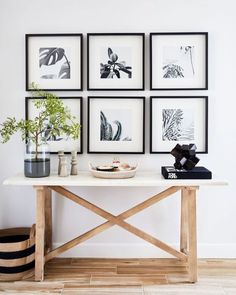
(178, 119)
(178, 61)
(115, 61)
(60, 142)
(116, 125)
(54, 61)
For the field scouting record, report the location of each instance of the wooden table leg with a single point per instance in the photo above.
(48, 220)
(192, 255)
(184, 222)
(40, 234)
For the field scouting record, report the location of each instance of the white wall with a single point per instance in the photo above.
(216, 206)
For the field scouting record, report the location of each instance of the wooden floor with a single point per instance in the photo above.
(70, 276)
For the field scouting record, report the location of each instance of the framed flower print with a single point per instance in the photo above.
(178, 61)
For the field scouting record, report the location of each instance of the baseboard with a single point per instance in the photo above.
(135, 250)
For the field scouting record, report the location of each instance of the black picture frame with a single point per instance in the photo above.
(98, 54)
(65, 70)
(132, 115)
(175, 65)
(193, 128)
(75, 104)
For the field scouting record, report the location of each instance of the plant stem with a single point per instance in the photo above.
(191, 59)
(36, 147)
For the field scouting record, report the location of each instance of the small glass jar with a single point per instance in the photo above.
(37, 159)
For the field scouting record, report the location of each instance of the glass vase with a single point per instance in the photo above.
(37, 159)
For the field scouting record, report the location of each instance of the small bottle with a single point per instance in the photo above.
(60, 155)
(73, 170)
(64, 169)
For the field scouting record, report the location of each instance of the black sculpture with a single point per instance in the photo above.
(185, 156)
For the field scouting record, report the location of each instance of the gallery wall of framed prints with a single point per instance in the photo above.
(178, 61)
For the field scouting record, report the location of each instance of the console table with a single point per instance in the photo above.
(44, 187)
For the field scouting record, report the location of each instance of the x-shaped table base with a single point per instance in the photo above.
(188, 239)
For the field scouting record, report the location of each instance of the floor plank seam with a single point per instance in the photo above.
(124, 276)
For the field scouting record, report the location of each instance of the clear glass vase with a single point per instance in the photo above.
(37, 159)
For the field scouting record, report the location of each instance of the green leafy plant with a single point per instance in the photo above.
(53, 119)
(113, 67)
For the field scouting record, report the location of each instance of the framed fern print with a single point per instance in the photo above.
(178, 61)
(115, 61)
(178, 119)
(116, 125)
(54, 61)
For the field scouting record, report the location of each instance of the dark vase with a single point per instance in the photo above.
(37, 163)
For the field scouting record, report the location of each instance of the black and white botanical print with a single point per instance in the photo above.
(115, 63)
(115, 125)
(54, 63)
(178, 62)
(177, 125)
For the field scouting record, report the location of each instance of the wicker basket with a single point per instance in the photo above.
(17, 253)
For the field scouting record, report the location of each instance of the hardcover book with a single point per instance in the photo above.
(169, 172)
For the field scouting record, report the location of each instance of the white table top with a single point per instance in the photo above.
(141, 179)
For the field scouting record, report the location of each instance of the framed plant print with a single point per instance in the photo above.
(60, 142)
(178, 61)
(116, 125)
(178, 119)
(115, 61)
(54, 61)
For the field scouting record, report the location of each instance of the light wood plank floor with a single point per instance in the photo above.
(70, 276)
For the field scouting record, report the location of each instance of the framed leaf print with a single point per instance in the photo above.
(116, 124)
(178, 61)
(115, 61)
(178, 119)
(54, 61)
(60, 142)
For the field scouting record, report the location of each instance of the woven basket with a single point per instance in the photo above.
(17, 253)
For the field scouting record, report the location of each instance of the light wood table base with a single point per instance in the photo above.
(188, 237)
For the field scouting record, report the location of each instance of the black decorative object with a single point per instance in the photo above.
(185, 156)
(184, 166)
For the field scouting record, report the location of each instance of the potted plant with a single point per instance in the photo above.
(53, 119)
